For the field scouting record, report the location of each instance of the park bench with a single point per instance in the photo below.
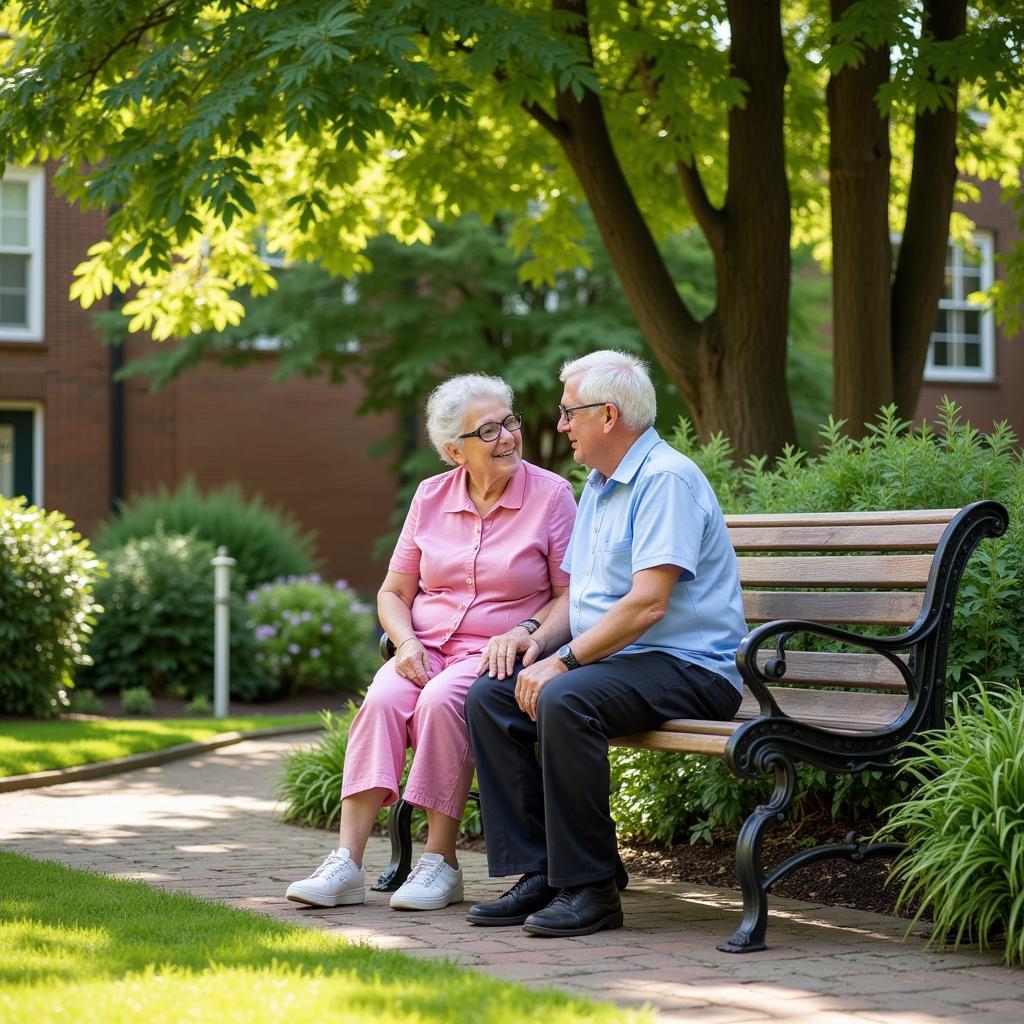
(825, 576)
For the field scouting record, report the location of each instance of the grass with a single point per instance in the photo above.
(40, 746)
(81, 947)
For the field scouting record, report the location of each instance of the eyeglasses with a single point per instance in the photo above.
(565, 411)
(492, 431)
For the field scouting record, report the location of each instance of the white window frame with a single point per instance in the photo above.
(36, 179)
(38, 433)
(984, 242)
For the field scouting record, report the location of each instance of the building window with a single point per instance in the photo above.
(963, 342)
(21, 254)
(21, 455)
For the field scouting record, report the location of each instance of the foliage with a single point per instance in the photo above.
(30, 746)
(313, 635)
(893, 467)
(265, 541)
(310, 785)
(136, 700)
(84, 702)
(312, 127)
(47, 575)
(964, 825)
(156, 629)
(199, 705)
(110, 951)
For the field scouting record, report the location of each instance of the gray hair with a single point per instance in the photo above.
(619, 378)
(449, 401)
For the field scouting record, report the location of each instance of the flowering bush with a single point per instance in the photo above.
(314, 635)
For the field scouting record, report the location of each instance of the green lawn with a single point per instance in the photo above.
(39, 746)
(84, 948)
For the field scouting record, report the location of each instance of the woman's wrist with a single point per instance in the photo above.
(405, 641)
(530, 625)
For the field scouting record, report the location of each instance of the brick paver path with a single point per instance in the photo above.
(207, 825)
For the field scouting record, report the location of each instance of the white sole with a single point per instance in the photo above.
(439, 903)
(348, 898)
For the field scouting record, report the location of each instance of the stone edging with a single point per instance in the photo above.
(148, 759)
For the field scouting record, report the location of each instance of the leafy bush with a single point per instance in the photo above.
(84, 702)
(893, 467)
(964, 825)
(136, 700)
(47, 574)
(314, 635)
(157, 626)
(199, 705)
(265, 542)
(310, 785)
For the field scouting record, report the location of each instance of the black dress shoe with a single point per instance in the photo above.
(578, 910)
(530, 893)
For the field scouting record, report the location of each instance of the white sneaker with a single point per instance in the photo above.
(336, 883)
(431, 885)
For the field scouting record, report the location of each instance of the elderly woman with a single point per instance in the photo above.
(476, 569)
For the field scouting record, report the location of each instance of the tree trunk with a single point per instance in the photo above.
(859, 160)
(730, 369)
(919, 271)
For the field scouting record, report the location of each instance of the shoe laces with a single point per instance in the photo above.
(333, 863)
(425, 871)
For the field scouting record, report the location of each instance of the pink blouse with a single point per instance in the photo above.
(480, 576)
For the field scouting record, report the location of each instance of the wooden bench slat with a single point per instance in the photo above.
(912, 537)
(866, 608)
(805, 668)
(928, 515)
(892, 571)
(679, 743)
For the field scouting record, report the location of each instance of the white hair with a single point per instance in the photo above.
(449, 402)
(619, 378)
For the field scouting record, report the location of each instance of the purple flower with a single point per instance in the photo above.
(314, 652)
(326, 628)
(294, 648)
(265, 632)
(341, 585)
(305, 616)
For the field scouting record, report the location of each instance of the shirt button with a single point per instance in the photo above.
(461, 607)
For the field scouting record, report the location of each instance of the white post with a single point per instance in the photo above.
(221, 630)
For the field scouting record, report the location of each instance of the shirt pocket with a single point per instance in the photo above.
(613, 566)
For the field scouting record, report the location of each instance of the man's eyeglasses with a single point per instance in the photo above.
(492, 431)
(565, 411)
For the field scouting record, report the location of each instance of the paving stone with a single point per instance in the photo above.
(207, 825)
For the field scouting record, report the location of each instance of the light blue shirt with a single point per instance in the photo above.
(657, 508)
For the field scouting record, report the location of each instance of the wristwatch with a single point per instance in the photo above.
(567, 658)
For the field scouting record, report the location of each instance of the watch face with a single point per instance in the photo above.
(565, 651)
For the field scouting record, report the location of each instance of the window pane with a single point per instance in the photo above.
(947, 286)
(12, 309)
(971, 323)
(972, 355)
(13, 229)
(940, 353)
(6, 460)
(13, 271)
(942, 325)
(14, 196)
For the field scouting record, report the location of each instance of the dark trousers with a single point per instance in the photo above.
(550, 813)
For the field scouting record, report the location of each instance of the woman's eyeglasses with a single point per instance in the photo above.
(492, 431)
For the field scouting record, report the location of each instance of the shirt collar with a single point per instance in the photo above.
(630, 463)
(458, 499)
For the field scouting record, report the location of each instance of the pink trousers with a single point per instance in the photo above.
(397, 714)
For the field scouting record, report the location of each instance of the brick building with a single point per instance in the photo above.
(73, 441)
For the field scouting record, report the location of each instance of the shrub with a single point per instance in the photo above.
(893, 467)
(310, 785)
(964, 825)
(47, 574)
(199, 705)
(265, 542)
(314, 635)
(157, 626)
(84, 702)
(136, 700)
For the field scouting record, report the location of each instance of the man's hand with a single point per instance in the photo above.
(498, 658)
(411, 662)
(533, 679)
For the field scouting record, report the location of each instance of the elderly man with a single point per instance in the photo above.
(647, 631)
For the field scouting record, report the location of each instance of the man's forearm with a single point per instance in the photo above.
(554, 631)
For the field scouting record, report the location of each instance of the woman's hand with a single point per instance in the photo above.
(498, 658)
(411, 661)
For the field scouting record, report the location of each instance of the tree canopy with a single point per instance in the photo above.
(766, 124)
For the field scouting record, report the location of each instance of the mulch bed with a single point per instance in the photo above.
(837, 883)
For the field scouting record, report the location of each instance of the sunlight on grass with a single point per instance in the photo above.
(81, 947)
(40, 746)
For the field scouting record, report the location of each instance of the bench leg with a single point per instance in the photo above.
(750, 935)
